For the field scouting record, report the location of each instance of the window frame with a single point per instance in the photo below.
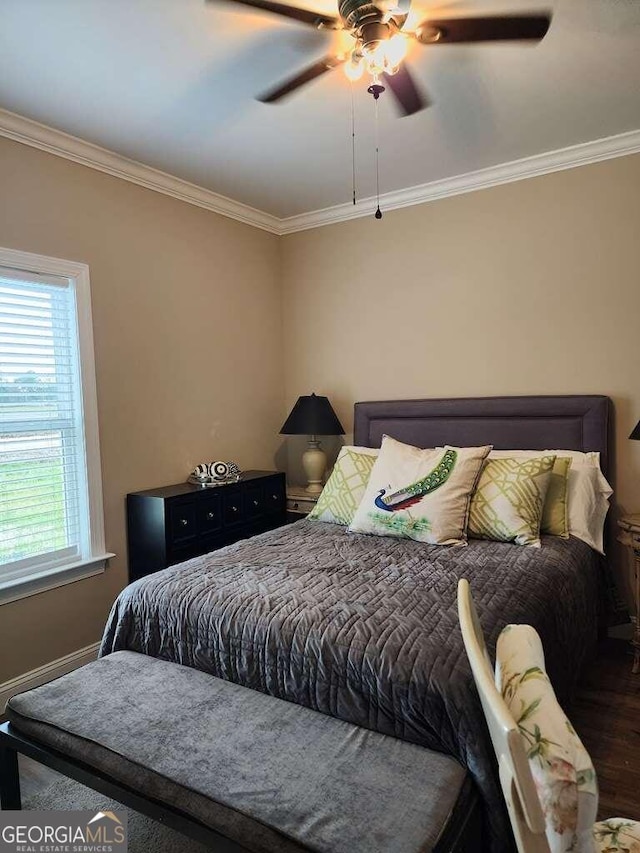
(22, 585)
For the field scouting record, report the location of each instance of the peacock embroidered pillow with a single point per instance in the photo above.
(420, 494)
(508, 502)
(346, 486)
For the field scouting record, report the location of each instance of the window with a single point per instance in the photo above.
(51, 523)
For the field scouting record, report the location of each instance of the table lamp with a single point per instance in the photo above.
(313, 416)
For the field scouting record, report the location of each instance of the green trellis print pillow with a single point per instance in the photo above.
(509, 498)
(555, 514)
(346, 486)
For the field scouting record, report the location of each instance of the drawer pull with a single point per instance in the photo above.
(256, 503)
(211, 515)
(184, 522)
(234, 509)
(296, 505)
(274, 497)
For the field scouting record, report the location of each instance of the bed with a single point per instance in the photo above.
(365, 628)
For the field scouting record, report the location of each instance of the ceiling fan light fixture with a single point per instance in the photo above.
(354, 68)
(387, 55)
(396, 49)
(376, 62)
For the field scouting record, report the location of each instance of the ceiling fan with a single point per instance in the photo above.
(380, 42)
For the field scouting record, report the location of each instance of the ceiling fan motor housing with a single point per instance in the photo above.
(355, 12)
(371, 34)
(368, 23)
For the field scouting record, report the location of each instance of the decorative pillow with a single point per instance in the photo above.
(507, 504)
(345, 487)
(617, 835)
(561, 767)
(555, 513)
(588, 493)
(420, 494)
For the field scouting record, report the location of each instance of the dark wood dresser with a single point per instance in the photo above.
(175, 523)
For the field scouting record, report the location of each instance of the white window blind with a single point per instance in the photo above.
(45, 517)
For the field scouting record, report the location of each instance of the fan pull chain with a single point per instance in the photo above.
(378, 213)
(353, 144)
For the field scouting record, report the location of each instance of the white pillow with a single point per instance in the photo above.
(588, 492)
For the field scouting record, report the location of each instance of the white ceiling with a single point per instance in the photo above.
(171, 83)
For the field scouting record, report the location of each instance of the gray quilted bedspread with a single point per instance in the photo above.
(365, 628)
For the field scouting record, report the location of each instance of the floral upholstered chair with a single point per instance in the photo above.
(547, 777)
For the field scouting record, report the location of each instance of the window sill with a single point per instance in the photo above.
(51, 578)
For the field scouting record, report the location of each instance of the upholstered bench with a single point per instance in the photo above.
(235, 768)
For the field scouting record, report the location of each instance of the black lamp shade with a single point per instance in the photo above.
(635, 435)
(312, 415)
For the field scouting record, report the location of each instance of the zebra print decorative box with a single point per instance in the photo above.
(215, 473)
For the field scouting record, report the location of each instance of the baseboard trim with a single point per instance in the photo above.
(47, 672)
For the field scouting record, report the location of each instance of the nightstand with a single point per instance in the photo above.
(299, 502)
(630, 536)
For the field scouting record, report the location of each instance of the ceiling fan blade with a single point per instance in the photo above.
(492, 28)
(409, 97)
(316, 70)
(307, 16)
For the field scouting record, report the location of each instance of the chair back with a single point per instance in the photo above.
(525, 811)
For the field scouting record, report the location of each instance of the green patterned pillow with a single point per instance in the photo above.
(555, 515)
(509, 498)
(346, 486)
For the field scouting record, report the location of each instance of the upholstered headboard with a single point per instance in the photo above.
(509, 423)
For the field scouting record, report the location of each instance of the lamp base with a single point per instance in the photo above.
(314, 463)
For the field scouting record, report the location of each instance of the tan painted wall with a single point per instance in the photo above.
(187, 326)
(527, 288)
(522, 289)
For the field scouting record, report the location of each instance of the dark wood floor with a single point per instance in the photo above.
(605, 713)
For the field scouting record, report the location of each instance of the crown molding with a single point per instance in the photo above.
(29, 132)
(530, 167)
(53, 141)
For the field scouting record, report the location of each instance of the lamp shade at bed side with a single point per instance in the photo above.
(313, 415)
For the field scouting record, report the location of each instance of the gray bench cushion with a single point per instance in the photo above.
(269, 774)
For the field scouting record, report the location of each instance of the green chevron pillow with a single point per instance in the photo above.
(346, 485)
(508, 502)
(420, 494)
